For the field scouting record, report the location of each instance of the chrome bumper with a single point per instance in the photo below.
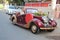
(48, 28)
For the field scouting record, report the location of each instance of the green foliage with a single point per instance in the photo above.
(44, 14)
(9, 0)
(39, 14)
(1, 6)
(1, 1)
(16, 1)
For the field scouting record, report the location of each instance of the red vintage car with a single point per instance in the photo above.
(29, 18)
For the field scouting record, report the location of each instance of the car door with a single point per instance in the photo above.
(21, 19)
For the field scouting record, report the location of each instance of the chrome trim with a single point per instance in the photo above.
(47, 28)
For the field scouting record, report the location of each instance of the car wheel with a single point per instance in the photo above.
(34, 29)
(50, 30)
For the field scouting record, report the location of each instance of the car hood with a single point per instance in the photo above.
(38, 17)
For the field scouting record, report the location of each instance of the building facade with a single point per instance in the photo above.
(58, 2)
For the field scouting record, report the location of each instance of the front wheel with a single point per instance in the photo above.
(34, 29)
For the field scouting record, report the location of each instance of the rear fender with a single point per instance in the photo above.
(13, 16)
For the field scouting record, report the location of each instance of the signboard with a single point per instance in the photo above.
(37, 4)
(41, 6)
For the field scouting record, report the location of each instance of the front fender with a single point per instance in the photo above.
(37, 22)
(53, 23)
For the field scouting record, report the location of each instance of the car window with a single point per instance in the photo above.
(12, 7)
(31, 11)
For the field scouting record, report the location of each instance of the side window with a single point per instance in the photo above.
(31, 10)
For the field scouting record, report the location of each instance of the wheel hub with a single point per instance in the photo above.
(34, 28)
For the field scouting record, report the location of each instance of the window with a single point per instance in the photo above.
(31, 11)
(12, 7)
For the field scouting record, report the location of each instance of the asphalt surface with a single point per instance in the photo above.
(8, 31)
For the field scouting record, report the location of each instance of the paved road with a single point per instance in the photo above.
(9, 31)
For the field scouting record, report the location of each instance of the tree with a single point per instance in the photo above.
(18, 2)
(9, 1)
(1, 1)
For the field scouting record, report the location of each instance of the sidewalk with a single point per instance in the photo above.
(55, 35)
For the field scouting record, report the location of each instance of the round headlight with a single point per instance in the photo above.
(51, 18)
(45, 19)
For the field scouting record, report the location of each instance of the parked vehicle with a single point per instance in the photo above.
(33, 21)
(12, 9)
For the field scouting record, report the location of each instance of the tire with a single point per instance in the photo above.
(34, 29)
(50, 30)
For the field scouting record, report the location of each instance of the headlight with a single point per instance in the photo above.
(51, 18)
(45, 19)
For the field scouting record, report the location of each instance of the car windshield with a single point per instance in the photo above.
(31, 11)
(35, 12)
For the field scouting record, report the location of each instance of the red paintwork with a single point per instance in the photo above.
(21, 19)
(37, 4)
(38, 23)
(39, 17)
(28, 17)
(53, 23)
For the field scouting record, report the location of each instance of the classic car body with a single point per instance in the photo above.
(33, 22)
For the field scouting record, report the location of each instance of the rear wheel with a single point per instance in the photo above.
(13, 20)
(34, 29)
